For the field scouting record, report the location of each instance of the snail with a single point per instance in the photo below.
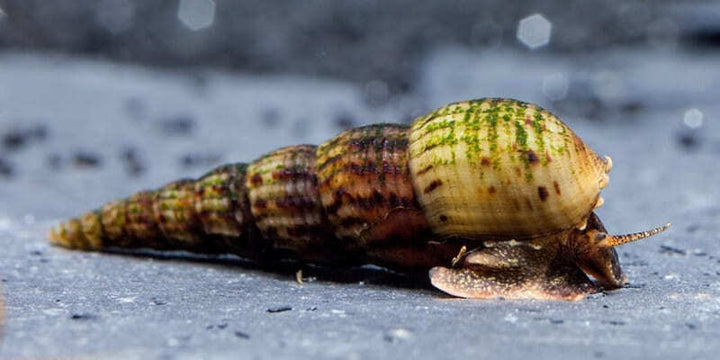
(504, 178)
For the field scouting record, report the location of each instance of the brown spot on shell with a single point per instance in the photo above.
(532, 157)
(260, 204)
(426, 169)
(543, 193)
(492, 190)
(485, 161)
(557, 187)
(433, 185)
(548, 157)
(256, 179)
(443, 218)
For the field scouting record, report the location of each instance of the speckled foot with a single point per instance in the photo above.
(512, 271)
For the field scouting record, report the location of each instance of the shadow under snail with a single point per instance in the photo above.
(503, 178)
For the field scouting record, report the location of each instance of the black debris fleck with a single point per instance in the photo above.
(179, 125)
(54, 161)
(16, 138)
(131, 161)
(242, 335)
(199, 160)
(278, 309)
(688, 140)
(271, 117)
(158, 302)
(312, 308)
(84, 159)
(222, 326)
(637, 286)
(691, 326)
(135, 108)
(614, 322)
(665, 249)
(6, 169)
(82, 316)
(344, 121)
(36, 252)
(557, 321)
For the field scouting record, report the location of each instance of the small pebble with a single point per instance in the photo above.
(158, 302)
(397, 334)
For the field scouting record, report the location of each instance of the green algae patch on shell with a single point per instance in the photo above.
(501, 168)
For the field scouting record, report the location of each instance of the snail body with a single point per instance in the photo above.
(504, 178)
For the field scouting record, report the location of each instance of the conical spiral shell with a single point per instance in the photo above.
(489, 168)
(502, 168)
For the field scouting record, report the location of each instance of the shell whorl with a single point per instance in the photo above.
(502, 168)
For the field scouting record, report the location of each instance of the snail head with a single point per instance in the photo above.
(593, 249)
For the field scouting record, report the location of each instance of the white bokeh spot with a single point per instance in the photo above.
(115, 15)
(555, 86)
(196, 14)
(534, 31)
(693, 118)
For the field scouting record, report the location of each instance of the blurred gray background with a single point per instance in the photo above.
(99, 99)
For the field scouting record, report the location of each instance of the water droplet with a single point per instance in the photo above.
(534, 31)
